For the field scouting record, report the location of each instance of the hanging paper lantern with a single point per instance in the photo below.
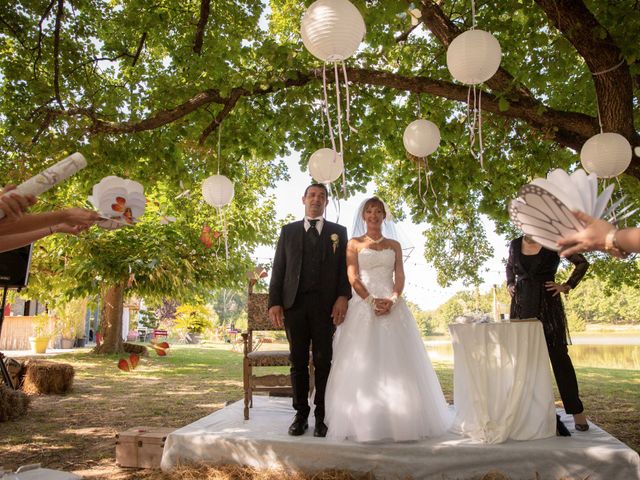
(332, 29)
(474, 57)
(217, 191)
(326, 165)
(421, 138)
(606, 154)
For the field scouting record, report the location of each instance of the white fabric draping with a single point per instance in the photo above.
(502, 382)
(262, 442)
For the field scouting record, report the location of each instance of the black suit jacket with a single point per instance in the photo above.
(287, 264)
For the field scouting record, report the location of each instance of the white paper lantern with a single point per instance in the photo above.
(217, 191)
(325, 165)
(606, 154)
(474, 57)
(421, 138)
(332, 30)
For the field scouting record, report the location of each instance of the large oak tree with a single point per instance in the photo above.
(147, 87)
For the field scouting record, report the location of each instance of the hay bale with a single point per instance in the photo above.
(42, 376)
(15, 369)
(494, 475)
(134, 348)
(13, 403)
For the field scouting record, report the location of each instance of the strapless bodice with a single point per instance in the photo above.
(376, 270)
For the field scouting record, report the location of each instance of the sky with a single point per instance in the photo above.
(421, 286)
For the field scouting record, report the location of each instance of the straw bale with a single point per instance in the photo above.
(237, 472)
(13, 403)
(43, 376)
(135, 348)
(494, 475)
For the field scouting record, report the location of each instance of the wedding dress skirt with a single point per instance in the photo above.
(382, 386)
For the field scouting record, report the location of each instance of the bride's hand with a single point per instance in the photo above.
(383, 306)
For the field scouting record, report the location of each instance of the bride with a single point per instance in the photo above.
(382, 385)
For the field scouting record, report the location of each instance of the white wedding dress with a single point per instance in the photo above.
(382, 386)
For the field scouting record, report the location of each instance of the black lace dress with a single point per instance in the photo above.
(531, 299)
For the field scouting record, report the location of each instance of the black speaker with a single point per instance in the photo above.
(14, 267)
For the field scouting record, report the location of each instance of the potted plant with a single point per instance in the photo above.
(70, 321)
(41, 326)
(193, 320)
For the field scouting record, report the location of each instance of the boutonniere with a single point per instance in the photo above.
(335, 240)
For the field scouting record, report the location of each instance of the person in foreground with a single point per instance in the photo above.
(18, 228)
(600, 235)
(382, 385)
(531, 271)
(308, 294)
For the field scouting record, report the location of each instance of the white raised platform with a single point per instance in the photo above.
(224, 437)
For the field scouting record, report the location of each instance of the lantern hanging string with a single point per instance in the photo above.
(219, 136)
(348, 98)
(335, 200)
(474, 120)
(473, 15)
(335, 156)
(223, 220)
(326, 105)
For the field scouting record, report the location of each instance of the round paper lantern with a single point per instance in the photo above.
(332, 29)
(473, 57)
(217, 191)
(326, 165)
(421, 138)
(606, 154)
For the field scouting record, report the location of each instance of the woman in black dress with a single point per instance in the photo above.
(531, 270)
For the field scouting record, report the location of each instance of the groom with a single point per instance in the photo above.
(308, 294)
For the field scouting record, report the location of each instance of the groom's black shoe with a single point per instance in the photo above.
(320, 429)
(299, 426)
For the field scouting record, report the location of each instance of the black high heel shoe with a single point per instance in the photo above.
(561, 430)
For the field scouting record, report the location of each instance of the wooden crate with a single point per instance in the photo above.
(141, 447)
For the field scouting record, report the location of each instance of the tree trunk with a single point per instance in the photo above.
(111, 322)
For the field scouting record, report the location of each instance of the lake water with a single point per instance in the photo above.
(587, 351)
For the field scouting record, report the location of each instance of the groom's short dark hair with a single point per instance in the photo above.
(319, 185)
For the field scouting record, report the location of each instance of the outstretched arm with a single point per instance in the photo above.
(12, 241)
(31, 222)
(600, 235)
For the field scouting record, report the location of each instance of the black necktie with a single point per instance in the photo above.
(312, 229)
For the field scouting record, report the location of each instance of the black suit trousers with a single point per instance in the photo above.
(565, 378)
(308, 324)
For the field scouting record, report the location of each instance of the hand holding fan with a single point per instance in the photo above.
(50, 177)
(544, 208)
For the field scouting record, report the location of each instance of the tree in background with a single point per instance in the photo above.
(148, 90)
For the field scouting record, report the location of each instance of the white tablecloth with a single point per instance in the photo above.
(502, 382)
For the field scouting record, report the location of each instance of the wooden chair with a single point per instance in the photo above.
(274, 384)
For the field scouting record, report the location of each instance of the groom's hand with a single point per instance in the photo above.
(276, 314)
(339, 310)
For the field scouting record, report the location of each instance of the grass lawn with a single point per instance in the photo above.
(75, 432)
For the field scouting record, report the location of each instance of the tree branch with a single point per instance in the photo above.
(139, 49)
(165, 117)
(39, 44)
(403, 36)
(202, 23)
(236, 93)
(56, 52)
(569, 129)
(611, 76)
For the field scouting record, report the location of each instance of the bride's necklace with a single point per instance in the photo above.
(372, 240)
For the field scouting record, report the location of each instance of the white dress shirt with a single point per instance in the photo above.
(319, 225)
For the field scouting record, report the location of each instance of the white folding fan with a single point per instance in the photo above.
(120, 202)
(543, 209)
